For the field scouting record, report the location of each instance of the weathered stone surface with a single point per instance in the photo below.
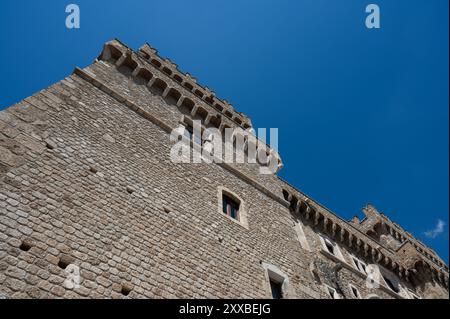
(7, 157)
(86, 182)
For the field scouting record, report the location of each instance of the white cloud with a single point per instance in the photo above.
(439, 229)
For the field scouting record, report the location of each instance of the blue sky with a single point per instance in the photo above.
(362, 114)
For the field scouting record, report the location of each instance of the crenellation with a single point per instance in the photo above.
(85, 181)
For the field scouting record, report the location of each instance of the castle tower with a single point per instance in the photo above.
(91, 205)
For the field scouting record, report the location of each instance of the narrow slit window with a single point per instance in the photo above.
(355, 292)
(329, 246)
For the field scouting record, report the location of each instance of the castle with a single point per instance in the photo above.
(88, 193)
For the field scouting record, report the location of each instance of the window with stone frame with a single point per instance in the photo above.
(330, 247)
(394, 286)
(277, 281)
(392, 282)
(276, 288)
(355, 291)
(230, 206)
(359, 264)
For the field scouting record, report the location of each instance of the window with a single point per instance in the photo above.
(391, 284)
(230, 207)
(276, 288)
(331, 247)
(388, 279)
(355, 292)
(359, 264)
(277, 282)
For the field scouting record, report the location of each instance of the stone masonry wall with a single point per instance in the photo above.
(85, 180)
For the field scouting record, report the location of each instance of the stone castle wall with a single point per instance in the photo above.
(86, 180)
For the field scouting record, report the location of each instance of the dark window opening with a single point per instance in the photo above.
(230, 207)
(363, 268)
(359, 265)
(355, 292)
(391, 285)
(329, 246)
(276, 288)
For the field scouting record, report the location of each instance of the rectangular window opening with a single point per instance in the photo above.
(276, 288)
(230, 207)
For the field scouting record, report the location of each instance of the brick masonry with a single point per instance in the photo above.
(86, 180)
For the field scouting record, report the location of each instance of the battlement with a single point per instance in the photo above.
(164, 76)
(405, 259)
(86, 180)
(116, 49)
(375, 220)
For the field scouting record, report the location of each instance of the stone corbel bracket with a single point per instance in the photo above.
(354, 239)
